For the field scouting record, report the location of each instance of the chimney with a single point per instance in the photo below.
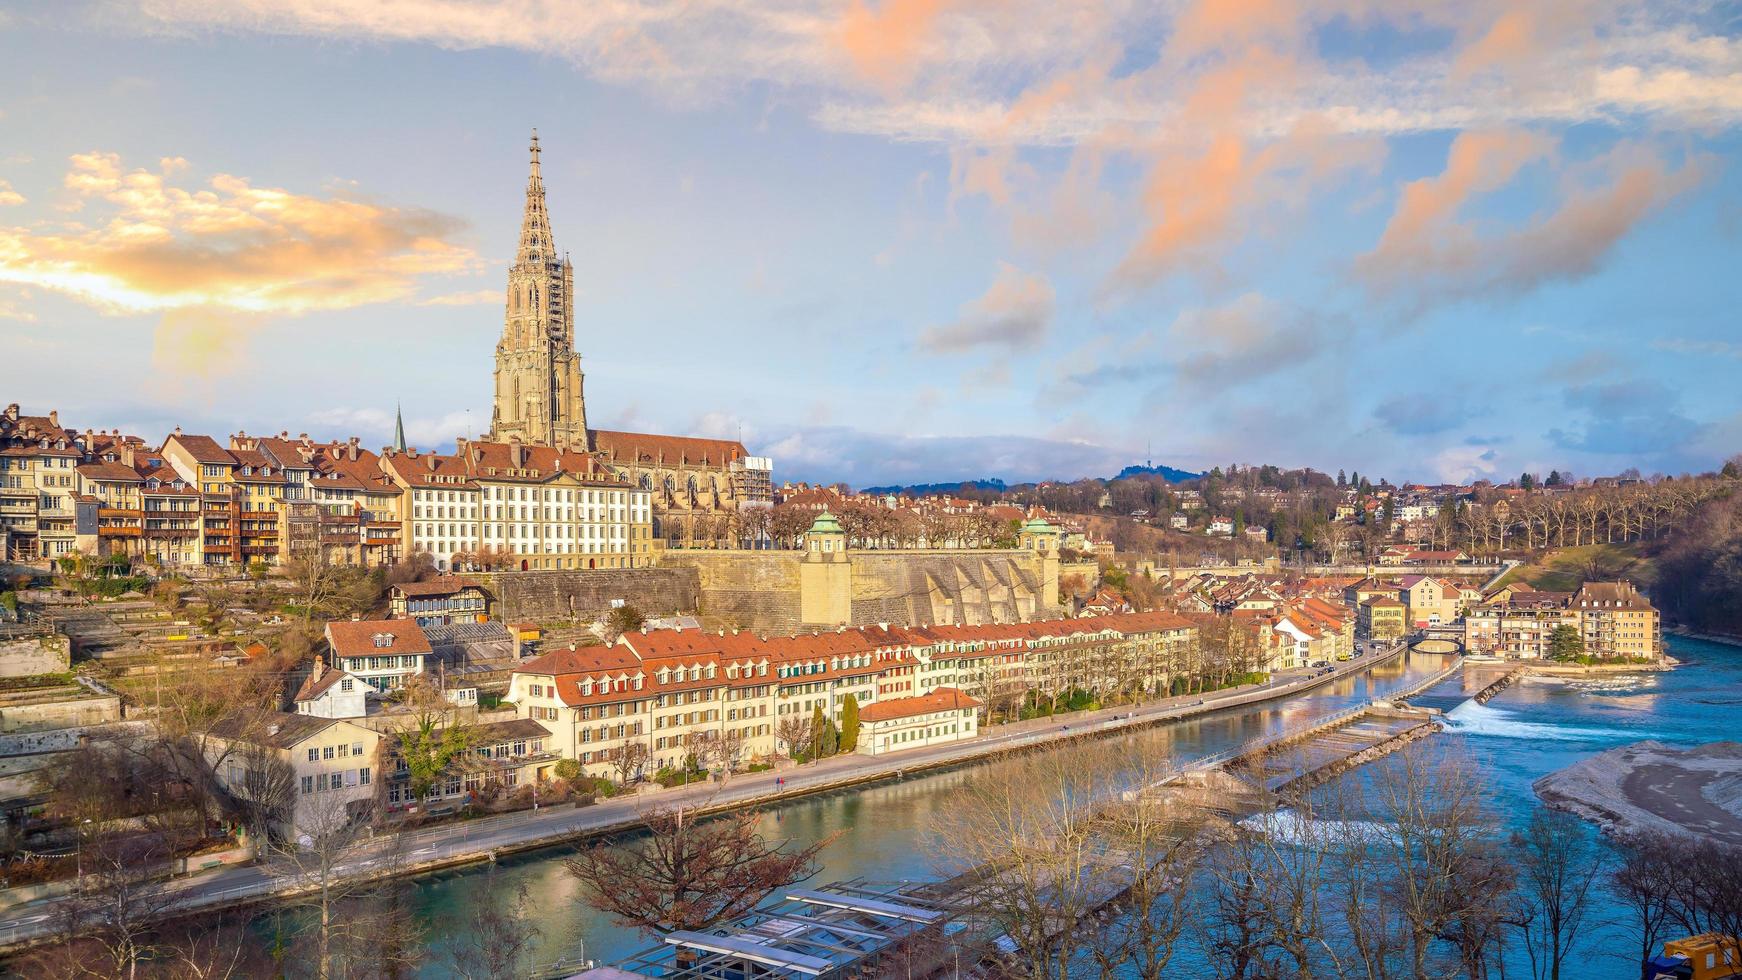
(429, 461)
(12, 412)
(320, 667)
(178, 430)
(54, 418)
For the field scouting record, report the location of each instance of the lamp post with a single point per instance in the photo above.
(79, 854)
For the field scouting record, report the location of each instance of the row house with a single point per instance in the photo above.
(335, 500)
(538, 506)
(676, 692)
(238, 494)
(38, 486)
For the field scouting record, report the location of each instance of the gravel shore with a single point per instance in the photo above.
(1649, 786)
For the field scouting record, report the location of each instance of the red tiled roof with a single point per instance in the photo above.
(443, 585)
(940, 699)
(203, 449)
(356, 638)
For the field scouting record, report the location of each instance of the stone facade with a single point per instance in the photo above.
(787, 590)
(539, 596)
(538, 374)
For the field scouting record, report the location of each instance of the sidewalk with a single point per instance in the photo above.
(486, 838)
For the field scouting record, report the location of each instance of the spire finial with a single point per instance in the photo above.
(398, 428)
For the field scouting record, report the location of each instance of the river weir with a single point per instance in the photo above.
(889, 829)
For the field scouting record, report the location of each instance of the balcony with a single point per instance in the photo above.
(119, 531)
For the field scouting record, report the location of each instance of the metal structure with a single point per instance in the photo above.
(834, 931)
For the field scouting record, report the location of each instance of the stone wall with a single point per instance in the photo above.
(29, 655)
(750, 589)
(549, 595)
(766, 590)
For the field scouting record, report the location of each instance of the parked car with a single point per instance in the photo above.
(1321, 663)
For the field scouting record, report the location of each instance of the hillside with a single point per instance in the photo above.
(1565, 569)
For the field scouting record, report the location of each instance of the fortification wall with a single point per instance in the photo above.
(765, 590)
(548, 595)
(750, 589)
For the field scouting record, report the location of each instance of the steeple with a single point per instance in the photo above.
(398, 428)
(536, 242)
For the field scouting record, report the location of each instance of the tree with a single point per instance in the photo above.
(684, 874)
(849, 724)
(824, 738)
(1558, 865)
(622, 619)
(427, 744)
(628, 759)
(1565, 643)
(498, 933)
(794, 732)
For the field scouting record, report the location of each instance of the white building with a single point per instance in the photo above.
(942, 716)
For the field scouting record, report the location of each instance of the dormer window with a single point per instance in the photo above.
(383, 640)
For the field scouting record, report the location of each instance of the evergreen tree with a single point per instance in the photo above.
(1342, 481)
(1565, 643)
(1526, 481)
(1554, 479)
(850, 724)
(824, 738)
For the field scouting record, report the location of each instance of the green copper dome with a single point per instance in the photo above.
(1038, 525)
(825, 524)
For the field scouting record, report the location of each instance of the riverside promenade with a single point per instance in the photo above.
(486, 838)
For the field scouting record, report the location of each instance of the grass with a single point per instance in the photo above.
(1565, 569)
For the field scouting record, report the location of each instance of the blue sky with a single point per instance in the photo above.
(898, 241)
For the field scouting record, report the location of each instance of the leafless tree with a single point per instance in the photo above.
(794, 732)
(628, 760)
(497, 933)
(682, 873)
(1559, 866)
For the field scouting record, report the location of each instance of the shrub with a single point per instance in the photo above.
(568, 769)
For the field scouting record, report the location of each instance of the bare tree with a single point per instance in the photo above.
(497, 933)
(794, 732)
(682, 873)
(628, 760)
(1559, 865)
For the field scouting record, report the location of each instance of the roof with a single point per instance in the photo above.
(941, 699)
(277, 729)
(356, 638)
(318, 684)
(203, 449)
(640, 447)
(443, 585)
(118, 472)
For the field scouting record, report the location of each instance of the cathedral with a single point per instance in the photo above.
(539, 397)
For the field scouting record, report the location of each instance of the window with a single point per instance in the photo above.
(327, 753)
(314, 755)
(345, 685)
(308, 785)
(363, 775)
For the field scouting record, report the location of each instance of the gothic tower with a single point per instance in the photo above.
(538, 373)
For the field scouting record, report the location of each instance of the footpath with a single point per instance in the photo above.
(487, 838)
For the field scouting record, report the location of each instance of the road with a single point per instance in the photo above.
(484, 837)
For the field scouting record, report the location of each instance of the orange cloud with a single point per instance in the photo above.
(1427, 255)
(1013, 314)
(1521, 36)
(8, 196)
(884, 45)
(1218, 25)
(1477, 163)
(229, 245)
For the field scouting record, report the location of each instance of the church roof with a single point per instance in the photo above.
(641, 447)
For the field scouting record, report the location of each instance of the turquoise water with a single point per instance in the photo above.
(1531, 729)
(887, 826)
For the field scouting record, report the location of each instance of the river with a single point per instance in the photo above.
(1531, 729)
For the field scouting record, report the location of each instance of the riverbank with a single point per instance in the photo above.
(488, 838)
(1723, 638)
(1650, 786)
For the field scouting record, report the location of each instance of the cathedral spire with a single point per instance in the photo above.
(536, 243)
(398, 428)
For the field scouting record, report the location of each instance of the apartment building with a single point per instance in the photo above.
(38, 486)
(1613, 618)
(673, 691)
(323, 767)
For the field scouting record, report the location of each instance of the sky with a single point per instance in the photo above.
(893, 241)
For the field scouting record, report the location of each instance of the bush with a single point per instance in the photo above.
(759, 767)
(669, 777)
(568, 769)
